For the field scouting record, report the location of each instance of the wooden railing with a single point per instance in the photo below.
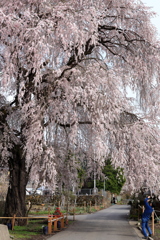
(51, 220)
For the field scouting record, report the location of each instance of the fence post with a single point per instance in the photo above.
(13, 221)
(103, 202)
(49, 225)
(62, 222)
(95, 205)
(84, 205)
(90, 206)
(66, 218)
(73, 214)
(55, 224)
(153, 222)
(49, 209)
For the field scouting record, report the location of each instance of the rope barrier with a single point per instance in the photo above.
(157, 216)
(157, 211)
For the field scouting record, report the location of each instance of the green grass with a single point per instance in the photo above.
(78, 210)
(34, 227)
(22, 234)
(40, 212)
(82, 210)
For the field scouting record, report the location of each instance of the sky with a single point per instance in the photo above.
(155, 4)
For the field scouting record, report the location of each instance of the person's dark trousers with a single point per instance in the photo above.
(145, 227)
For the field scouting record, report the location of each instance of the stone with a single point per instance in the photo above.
(4, 233)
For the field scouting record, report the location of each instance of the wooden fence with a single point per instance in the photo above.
(63, 219)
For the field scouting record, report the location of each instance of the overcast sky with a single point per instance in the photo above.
(155, 4)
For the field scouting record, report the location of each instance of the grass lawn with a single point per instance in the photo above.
(31, 231)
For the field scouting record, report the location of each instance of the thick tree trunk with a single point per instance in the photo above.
(18, 178)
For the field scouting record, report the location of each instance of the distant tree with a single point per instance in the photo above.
(114, 178)
(66, 66)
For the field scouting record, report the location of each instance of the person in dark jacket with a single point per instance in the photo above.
(145, 218)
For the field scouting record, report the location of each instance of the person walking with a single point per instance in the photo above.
(145, 218)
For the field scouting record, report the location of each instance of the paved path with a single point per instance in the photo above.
(108, 224)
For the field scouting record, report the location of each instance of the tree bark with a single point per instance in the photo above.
(18, 178)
